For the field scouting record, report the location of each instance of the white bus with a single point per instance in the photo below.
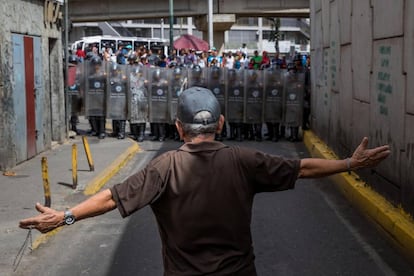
(114, 42)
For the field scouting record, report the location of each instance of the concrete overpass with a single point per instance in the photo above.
(112, 10)
(225, 12)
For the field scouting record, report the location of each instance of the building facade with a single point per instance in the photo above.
(32, 105)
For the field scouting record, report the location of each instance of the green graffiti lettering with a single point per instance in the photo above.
(382, 98)
(388, 89)
(385, 62)
(384, 76)
(384, 110)
(385, 50)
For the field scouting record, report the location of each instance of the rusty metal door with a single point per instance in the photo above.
(24, 98)
(30, 96)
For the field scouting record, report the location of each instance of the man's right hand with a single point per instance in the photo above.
(46, 221)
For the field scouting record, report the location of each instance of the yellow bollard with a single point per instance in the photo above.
(88, 153)
(46, 186)
(74, 166)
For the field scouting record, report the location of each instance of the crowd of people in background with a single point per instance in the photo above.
(191, 58)
(238, 59)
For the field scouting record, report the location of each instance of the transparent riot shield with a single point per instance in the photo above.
(138, 106)
(254, 96)
(75, 87)
(216, 83)
(178, 80)
(158, 100)
(294, 92)
(273, 103)
(95, 88)
(197, 76)
(116, 103)
(235, 96)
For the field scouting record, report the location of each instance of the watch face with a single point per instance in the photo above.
(69, 218)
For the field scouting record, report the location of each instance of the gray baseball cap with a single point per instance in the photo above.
(193, 101)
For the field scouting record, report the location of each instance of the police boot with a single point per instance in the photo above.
(294, 134)
(133, 130)
(153, 130)
(121, 130)
(282, 131)
(115, 128)
(73, 122)
(270, 131)
(101, 127)
(161, 132)
(232, 131)
(249, 132)
(176, 135)
(275, 132)
(258, 132)
(224, 131)
(141, 131)
(239, 132)
(94, 125)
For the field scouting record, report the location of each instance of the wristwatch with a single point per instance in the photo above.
(69, 218)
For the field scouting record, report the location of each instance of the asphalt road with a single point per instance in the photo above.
(311, 230)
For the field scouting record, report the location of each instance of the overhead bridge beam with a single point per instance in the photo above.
(110, 10)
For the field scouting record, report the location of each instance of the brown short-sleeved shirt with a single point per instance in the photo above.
(202, 196)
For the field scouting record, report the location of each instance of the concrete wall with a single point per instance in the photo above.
(363, 85)
(28, 18)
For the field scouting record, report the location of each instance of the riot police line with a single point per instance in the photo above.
(139, 95)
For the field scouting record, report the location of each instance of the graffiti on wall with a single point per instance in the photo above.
(383, 84)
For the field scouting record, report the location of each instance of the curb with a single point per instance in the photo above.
(95, 185)
(99, 181)
(398, 226)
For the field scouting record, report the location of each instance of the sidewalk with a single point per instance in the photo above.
(20, 192)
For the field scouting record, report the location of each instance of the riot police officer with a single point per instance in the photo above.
(254, 105)
(217, 86)
(273, 107)
(178, 84)
(138, 105)
(294, 91)
(74, 91)
(235, 103)
(117, 100)
(159, 116)
(197, 77)
(96, 97)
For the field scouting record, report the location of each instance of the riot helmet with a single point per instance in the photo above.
(177, 73)
(215, 72)
(197, 71)
(96, 60)
(73, 59)
(156, 75)
(231, 73)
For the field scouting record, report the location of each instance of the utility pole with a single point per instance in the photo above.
(210, 23)
(171, 26)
